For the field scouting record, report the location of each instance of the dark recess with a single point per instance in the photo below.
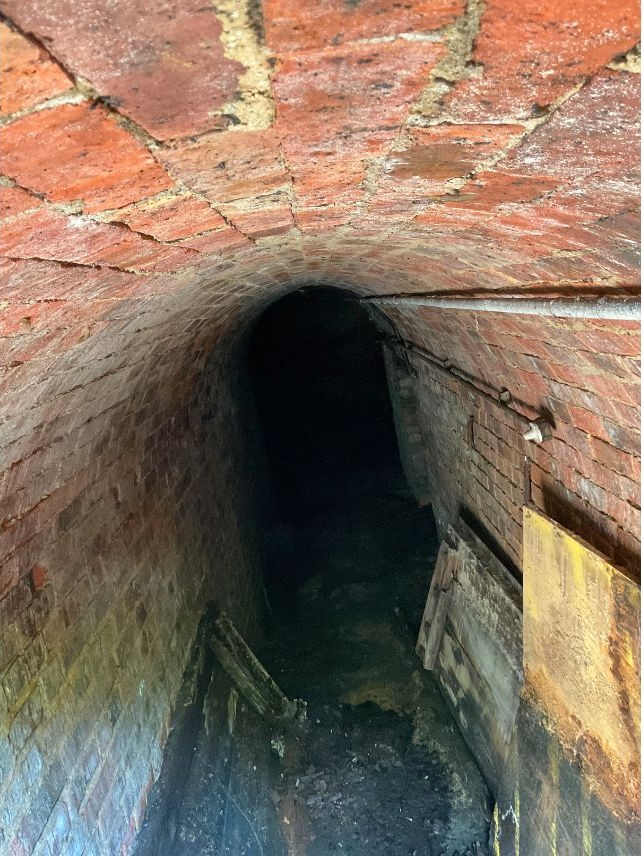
(322, 399)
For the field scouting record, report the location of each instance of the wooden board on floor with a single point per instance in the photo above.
(471, 637)
(431, 599)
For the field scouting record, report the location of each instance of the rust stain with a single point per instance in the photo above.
(439, 161)
(582, 659)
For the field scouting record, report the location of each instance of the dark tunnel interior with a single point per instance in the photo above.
(373, 767)
(322, 399)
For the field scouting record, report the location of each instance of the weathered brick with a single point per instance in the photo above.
(45, 234)
(36, 817)
(7, 760)
(28, 75)
(346, 104)
(173, 218)
(565, 461)
(21, 672)
(58, 828)
(289, 27)
(345, 91)
(88, 157)
(218, 241)
(11, 808)
(15, 200)
(113, 467)
(226, 167)
(143, 81)
(529, 57)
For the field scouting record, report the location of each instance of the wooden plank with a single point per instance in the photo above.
(476, 648)
(432, 598)
(436, 630)
(253, 681)
(473, 708)
(485, 618)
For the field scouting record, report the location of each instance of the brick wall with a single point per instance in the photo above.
(581, 375)
(119, 520)
(407, 418)
(221, 161)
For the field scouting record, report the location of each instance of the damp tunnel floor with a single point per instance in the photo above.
(380, 767)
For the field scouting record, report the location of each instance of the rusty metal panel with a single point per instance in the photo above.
(582, 657)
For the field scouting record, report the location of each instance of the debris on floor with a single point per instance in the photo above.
(250, 677)
(361, 762)
(380, 768)
(384, 769)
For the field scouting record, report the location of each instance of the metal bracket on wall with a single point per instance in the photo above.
(535, 429)
(538, 431)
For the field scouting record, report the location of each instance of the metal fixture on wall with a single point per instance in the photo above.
(502, 398)
(538, 431)
(607, 308)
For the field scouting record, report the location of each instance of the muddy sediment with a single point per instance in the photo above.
(379, 767)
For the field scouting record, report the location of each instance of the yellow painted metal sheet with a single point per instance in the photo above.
(582, 656)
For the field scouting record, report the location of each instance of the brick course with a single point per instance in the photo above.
(92, 655)
(149, 210)
(574, 478)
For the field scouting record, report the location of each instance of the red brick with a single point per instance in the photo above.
(98, 365)
(263, 222)
(24, 318)
(627, 515)
(628, 548)
(450, 151)
(319, 220)
(171, 219)
(348, 90)
(594, 138)
(328, 175)
(531, 54)
(14, 200)
(291, 26)
(28, 75)
(218, 241)
(568, 158)
(87, 157)
(38, 577)
(615, 459)
(27, 279)
(434, 156)
(490, 189)
(338, 108)
(627, 438)
(164, 67)
(46, 234)
(606, 340)
(229, 166)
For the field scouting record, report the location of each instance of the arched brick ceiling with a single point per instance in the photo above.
(488, 145)
(166, 167)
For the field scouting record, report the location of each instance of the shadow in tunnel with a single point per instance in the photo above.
(378, 768)
(347, 565)
(322, 400)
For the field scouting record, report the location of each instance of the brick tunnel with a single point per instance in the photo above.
(319, 331)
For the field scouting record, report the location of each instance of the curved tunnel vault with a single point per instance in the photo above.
(375, 765)
(165, 180)
(153, 511)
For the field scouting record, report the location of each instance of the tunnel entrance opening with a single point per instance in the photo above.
(322, 400)
(346, 571)
(379, 767)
